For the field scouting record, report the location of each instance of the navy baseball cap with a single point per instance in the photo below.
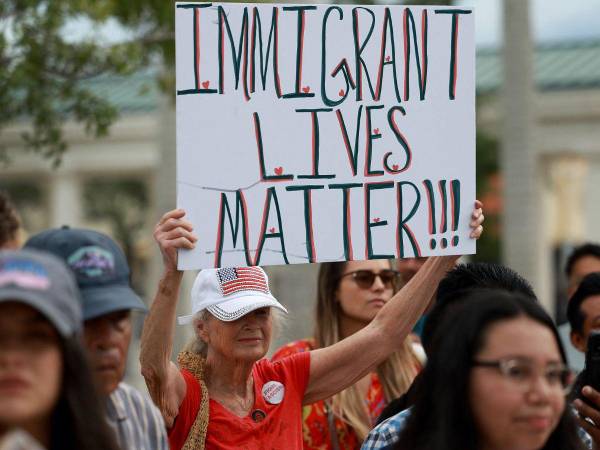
(99, 266)
(43, 282)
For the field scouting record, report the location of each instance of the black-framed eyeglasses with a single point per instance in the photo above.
(365, 278)
(522, 373)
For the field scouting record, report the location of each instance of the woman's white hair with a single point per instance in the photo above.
(198, 346)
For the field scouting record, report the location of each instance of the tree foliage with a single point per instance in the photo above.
(42, 67)
(488, 247)
(42, 70)
(122, 204)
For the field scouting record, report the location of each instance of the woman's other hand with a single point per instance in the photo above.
(477, 219)
(172, 233)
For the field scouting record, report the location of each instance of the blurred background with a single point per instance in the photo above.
(87, 134)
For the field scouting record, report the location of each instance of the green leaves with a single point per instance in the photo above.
(43, 68)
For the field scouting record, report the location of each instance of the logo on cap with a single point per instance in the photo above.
(24, 274)
(92, 262)
(232, 280)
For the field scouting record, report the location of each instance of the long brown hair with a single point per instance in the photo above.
(396, 373)
(78, 421)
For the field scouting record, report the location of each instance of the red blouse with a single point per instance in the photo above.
(315, 426)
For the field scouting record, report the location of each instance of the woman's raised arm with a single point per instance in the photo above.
(165, 383)
(334, 368)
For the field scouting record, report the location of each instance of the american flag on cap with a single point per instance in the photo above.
(232, 280)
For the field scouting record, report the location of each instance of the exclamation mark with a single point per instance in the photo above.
(455, 200)
(431, 198)
(444, 219)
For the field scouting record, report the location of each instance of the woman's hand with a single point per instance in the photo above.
(172, 233)
(477, 219)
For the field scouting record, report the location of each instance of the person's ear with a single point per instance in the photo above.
(579, 341)
(202, 331)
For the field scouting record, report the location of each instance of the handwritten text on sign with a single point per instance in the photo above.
(319, 133)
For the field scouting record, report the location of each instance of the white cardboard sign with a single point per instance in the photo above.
(310, 133)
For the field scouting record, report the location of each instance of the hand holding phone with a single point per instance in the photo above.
(591, 372)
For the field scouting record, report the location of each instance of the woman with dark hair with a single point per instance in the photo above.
(497, 379)
(349, 296)
(45, 382)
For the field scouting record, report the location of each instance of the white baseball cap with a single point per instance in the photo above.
(230, 293)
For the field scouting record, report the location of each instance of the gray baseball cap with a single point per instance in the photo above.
(42, 281)
(99, 266)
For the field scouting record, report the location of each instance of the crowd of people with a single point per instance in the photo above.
(417, 354)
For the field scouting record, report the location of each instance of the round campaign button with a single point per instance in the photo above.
(273, 392)
(258, 415)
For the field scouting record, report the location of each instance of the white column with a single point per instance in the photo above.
(522, 240)
(591, 198)
(65, 206)
(568, 176)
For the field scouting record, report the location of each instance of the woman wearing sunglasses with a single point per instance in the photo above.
(507, 369)
(349, 296)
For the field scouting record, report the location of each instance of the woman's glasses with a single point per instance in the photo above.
(524, 372)
(365, 278)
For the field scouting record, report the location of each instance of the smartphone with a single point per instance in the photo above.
(591, 371)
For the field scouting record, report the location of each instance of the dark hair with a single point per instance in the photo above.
(441, 418)
(9, 220)
(587, 249)
(462, 280)
(589, 287)
(79, 418)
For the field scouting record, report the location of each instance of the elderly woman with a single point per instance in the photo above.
(225, 394)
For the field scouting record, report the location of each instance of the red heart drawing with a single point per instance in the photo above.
(278, 170)
(306, 89)
(395, 167)
(376, 131)
(272, 230)
(205, 84)
(376, 219)
(387, 58)
(341, 92)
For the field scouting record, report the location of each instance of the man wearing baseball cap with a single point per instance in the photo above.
(102, 273)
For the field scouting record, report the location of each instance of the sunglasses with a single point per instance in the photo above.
(365, 278)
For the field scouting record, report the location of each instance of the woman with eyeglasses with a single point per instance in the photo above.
(496, 380)
(349, 296)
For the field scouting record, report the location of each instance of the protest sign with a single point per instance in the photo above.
(310, 133)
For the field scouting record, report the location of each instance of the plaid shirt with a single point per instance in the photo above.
(385, 435)
(138, 424)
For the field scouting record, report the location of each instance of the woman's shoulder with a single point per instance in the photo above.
(291, 348)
